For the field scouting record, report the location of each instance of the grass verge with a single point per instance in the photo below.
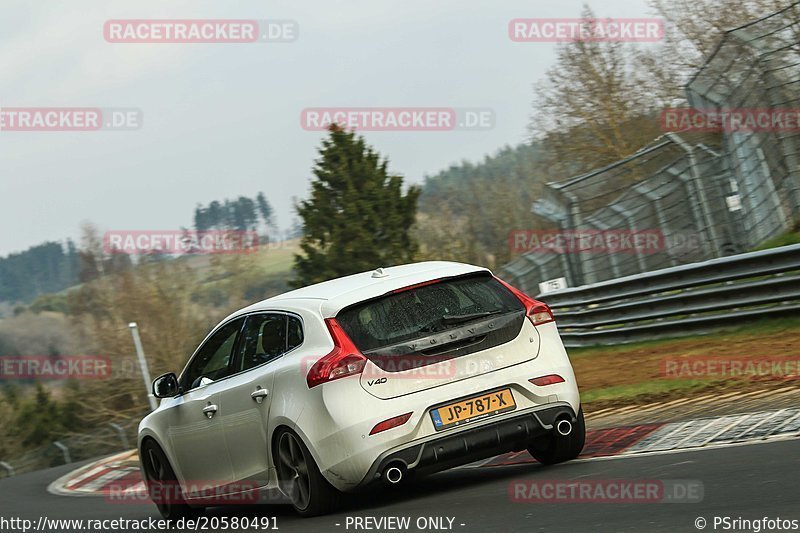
(634, 374)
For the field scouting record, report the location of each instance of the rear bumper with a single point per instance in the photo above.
(473, 444)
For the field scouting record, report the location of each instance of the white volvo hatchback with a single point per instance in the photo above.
(374, 377)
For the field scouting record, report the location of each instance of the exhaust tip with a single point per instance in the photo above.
(393, 474)
(564, 427)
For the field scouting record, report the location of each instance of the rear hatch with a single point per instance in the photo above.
(438, 332)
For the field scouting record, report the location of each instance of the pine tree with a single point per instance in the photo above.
(357, 218)
(265, 209)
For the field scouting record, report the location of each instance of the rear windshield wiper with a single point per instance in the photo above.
(458, 319)
(428, 328)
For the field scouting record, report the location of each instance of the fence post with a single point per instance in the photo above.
(789, 146)
(64, 451)
(122, 436)
(664, 226)
(792, 175)
(732, 240)
(7, 467)
(137, 342)
(585, 268)
(631, 223)
(612, 258)
(555, 206)
(695, 178)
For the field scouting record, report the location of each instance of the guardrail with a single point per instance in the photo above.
(683, 300)
(104, 440)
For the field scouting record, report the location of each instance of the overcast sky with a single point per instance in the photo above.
(223, 120)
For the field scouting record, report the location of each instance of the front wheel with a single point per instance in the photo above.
(300, 478)
(556, 448)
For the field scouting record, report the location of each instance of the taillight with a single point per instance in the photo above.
(537, 311)
(343, 361)
(547, 380)
(391, 423)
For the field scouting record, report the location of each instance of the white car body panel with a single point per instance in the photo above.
(334, 419)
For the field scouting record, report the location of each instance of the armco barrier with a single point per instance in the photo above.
(683, 300)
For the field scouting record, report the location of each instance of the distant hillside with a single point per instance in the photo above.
(467, 211)
(219, 280)
(521, 164)
(45, 268)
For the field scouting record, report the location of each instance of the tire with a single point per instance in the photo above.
(162, 484)
(555, 448)
(300, 479)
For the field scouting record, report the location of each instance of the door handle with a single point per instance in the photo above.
(210, 410)
(259, 394)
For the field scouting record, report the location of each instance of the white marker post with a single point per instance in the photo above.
(553, 285)
(137, 341)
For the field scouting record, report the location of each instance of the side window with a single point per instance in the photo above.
(213, 360)
(294, 335)
(263, 340)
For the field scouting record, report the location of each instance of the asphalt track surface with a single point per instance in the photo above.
(748, 481)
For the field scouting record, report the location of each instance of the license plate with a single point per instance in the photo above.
(464, 411)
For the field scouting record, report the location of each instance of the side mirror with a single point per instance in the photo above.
(165, 386)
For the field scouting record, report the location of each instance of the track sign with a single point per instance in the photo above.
(553, 285)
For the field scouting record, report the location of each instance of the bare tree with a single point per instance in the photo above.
(592, 109)
(694, 28)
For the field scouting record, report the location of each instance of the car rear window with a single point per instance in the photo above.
(419, 311)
